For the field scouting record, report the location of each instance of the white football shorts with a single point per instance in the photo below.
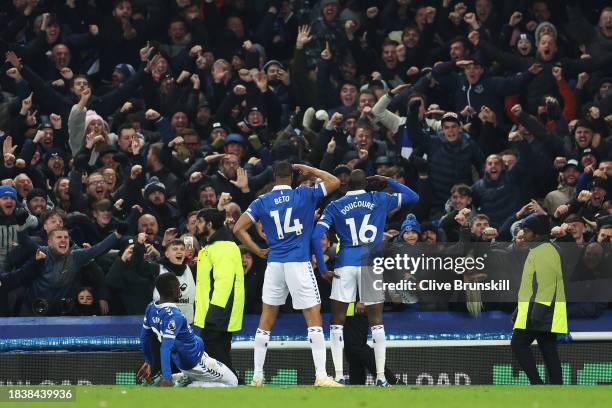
(297, 278)
(349, 282)
(211, 373)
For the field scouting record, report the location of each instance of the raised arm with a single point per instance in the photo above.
(330, 182)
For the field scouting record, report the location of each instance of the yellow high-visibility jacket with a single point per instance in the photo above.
(546, 309)
(219, 302)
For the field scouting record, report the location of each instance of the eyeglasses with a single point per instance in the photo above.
(97, 182)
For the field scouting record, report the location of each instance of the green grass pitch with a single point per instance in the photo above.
(355, 396)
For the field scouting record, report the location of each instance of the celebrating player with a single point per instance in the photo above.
(287, 216)
(165, 320)
(359, 219)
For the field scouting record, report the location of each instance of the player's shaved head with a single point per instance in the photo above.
(283, 170)
(357, 180)
(168, 286)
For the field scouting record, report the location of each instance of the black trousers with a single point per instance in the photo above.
(521, 347)
(359, 355)
(218, 345)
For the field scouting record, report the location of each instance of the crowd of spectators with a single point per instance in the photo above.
(121, 120)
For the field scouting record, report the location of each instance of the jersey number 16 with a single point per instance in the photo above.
(367, 232)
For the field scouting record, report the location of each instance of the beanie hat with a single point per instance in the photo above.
(154, 185)
(92, 115)
(54, 151)
(126, 69)
(539, 224)
(539, 28)
(36, 192)
(272, 62)
(410, 224)
(8, 191)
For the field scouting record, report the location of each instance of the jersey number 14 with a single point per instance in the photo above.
(286, 228)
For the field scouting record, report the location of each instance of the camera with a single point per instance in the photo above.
(46, 307)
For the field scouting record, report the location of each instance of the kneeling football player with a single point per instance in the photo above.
(165, 321)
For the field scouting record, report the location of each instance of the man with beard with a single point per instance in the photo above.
(196, 193)
(231, 178)
(588, 202)
(96, 189)
(583, 138)
(367, 149)
(36, 202)
(54, 165)
(566, 189)
(498, 193)
(149, 225)
(220, 286)
(154, 201)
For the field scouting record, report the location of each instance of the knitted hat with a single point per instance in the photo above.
(8, 191)
(126, 69)
(410, 224)
(154, 185)
(539, 28)
(539, 224)
(53, 152)
(92, 115)
(272, 62)
(36, 192)
(599, 182)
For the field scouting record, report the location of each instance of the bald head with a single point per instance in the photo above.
(357, 180)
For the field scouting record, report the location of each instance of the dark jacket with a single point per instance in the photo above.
(503, 197)
(488, 91)
(450, 163)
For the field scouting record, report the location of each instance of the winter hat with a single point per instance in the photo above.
(528, 37)
(272, 62)
(126, 69)
(234, 138)
(539, 224)
(53, 152)
(326, 2)
(8, 191)
(154, 185)
(36, 192)
(539, 28)
(599, 182)
(410, 224)
(92, 115)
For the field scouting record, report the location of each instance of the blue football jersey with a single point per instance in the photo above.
(170, 327)
(287, 217)
(359, 219)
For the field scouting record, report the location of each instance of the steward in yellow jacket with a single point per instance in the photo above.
(219, 302)
(541, 311)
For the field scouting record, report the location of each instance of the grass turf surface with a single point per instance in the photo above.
(306, 396)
